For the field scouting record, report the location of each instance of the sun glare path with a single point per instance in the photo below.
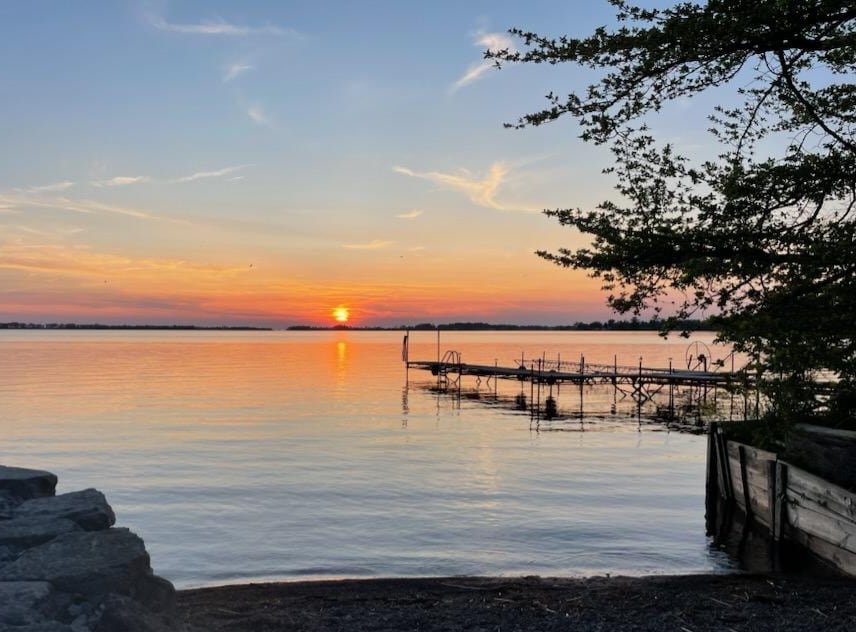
(341, 314)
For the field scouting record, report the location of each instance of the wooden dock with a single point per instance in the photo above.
(640, 382)
(551, 372)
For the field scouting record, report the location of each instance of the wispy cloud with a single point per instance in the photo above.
(52, 232)
(121, 181)
(372, 245)
(409, 215)
(480, 191)
(489, 41)
(218, 26)
(258, 116)
(76, 260)
(84, 207)
(230, 71)
(201, 175)
(50, 188)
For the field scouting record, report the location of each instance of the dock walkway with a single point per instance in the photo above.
(551, 372)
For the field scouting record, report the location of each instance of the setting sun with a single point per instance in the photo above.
(341, 314)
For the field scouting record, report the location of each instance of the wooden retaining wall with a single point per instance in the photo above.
(789, 502)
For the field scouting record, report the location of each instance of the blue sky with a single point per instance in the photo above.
(264, 162)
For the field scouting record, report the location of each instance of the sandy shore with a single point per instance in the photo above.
(452, 604)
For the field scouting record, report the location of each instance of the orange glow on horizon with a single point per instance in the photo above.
(62, 283)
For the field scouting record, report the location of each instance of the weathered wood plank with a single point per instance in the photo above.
(733, 448)
(753, 455)
(809, 517)
(761, 456)
(735, 475)
(722, 454)
(849, 435)
(758, 488)
(838, 557)
(834, 498)
(756, 461)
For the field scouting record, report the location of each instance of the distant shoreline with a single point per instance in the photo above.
(49, 326)
(609, 325)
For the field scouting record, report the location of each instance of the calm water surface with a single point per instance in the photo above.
(293, 455)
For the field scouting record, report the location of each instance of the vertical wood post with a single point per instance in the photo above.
(771, 496)
(780, 507)
(747, 500)
(712, 493)
(726, 489)
(711, 473)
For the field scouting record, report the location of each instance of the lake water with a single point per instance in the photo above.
(243, 456)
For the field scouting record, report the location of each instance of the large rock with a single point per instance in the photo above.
(30, 531)
(20, 602)
(47, 626)
(8, 502)
(121, 614)
(86, 562)
(26, 484)
(8, 552)
(87, 508)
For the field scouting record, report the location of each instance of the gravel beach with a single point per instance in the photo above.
(458, 604)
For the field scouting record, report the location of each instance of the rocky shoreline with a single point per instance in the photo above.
(64, 567)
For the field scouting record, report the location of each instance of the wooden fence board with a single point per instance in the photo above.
(834, 498)
(805, 515)
(838, 557)
(757, 485)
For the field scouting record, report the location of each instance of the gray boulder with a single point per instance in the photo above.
(29, 531)
(25, 484)
(87, 562)
(8, 502)
(20, 602)
(47, 626)
(87, 508)
(8, 552)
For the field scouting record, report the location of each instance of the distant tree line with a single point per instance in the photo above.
(634, 324)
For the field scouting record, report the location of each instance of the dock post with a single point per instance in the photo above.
(438, 344)
(671, 392)
(532, 389)
(405, 355)
(712, 479)
(439, 369)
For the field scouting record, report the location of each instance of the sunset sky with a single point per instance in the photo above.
(263, 163)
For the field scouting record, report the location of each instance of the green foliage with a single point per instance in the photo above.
(762, 235)
(767, 434)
